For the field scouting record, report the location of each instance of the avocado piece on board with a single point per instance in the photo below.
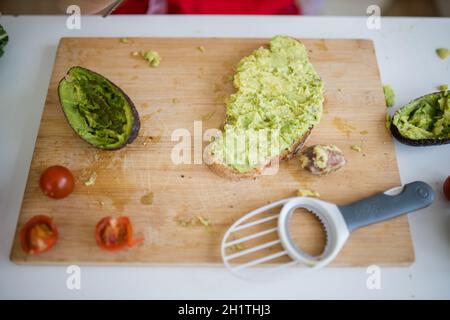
(98, 110)
(424, 121)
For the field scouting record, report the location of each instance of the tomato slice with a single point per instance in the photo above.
(38, 235)
(57, 182)
(113, 234)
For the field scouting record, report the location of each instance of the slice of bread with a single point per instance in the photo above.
(277, 89)
(228, 172)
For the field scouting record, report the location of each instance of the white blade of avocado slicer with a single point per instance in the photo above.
(274, 247)
(255, 246)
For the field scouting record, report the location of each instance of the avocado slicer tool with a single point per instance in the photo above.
(337, 221)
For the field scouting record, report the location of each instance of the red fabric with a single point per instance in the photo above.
(232, 6)
(214, 7)
(132, 7)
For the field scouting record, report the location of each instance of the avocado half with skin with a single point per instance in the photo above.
(424, 121)
(98, 110)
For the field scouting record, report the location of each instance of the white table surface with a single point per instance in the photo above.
(405, 50)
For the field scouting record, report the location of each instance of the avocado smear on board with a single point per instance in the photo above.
(307, 193)
(97, 110)
(277, 88)
(427, 117)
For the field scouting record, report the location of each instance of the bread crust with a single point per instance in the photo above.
(233, 174)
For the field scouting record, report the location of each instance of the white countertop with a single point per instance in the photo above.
(405, 50)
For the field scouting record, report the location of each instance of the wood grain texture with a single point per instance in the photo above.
(190, 85)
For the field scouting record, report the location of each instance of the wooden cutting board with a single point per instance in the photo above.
(190, 85)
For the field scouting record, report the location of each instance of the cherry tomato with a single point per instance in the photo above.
(447, 188)
(38, 235)
(57, 182)
(113, 234)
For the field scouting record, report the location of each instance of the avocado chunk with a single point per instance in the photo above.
(98, 110)
(389, 95)
(443, 53)
(424, 121)
(153, 58)
(277, 91)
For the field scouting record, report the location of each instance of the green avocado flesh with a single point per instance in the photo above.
(96, 109)
(277, 90)
(389, 95)
(425, 118)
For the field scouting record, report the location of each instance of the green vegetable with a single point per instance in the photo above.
(443, 53)
(388, 121)
(426, 118)
(277, 89)
(443, 87)
(153, 58)
(3, 39)
(97, 110)
(389, 95)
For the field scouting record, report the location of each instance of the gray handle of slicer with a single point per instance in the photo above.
(414, 196)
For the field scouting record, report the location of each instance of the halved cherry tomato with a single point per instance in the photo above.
(38, 235)
(114, 234)
(57, 182)
(447, 188)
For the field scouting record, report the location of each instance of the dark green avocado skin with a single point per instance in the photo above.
(136, 121)
(417, 142)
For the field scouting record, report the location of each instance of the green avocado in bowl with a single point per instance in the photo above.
(98, 110)
(424, 121)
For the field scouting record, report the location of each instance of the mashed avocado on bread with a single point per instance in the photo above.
(279, 96)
